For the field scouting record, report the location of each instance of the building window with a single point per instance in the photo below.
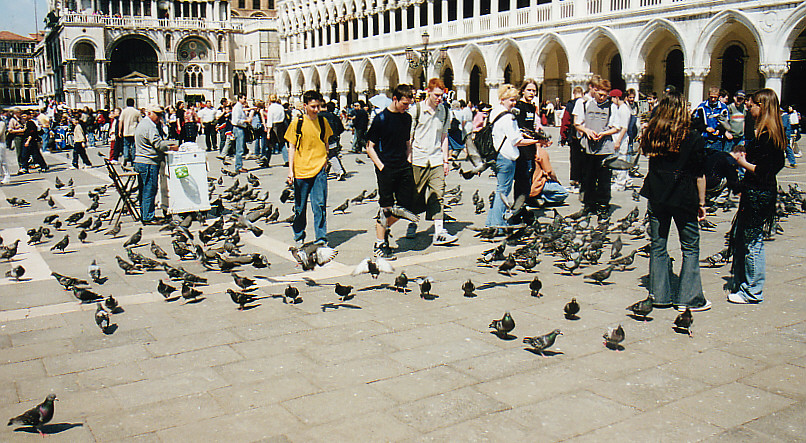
(194, 78)
(270, 5)
(503, 5)
(321, 34)
(453, 10)
(387, 22)
(410, 17)
(365, 26)
(346, 31)
(423, 14)
(126, 8)
(135, 8)
(484, 7)
(437, 12)
(376, 26)
(355, 29)
(336, 36)
(241, 4)
(524, 3)
(255, 4)
(147, 8)
(398, 19)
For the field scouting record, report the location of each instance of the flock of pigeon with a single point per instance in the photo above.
(574, 242)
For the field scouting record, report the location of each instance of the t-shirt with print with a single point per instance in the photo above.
(310, 155)
(389, 132)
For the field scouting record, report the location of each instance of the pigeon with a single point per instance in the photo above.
(615, 248)
(359, 161)
(374, 266)
(85, 295)
(102, 318)
(371, 195)
(613, 336)
(535, 286)
(475, 198)
(134, 239)
(313, 254)
(274, 216)
(543, 342)
(74, 217)
(157, 251)
(189, 292)
(292, 293)
(70, 182)
(71, 193)
(468, 288)
(8, 252)
(93, 206)
(425, 287)
(94, 271)
(286, 195)
(401, 282)
(507, 266)
(96, 226)
(58, 183)
(126, 266)
(240, 298)
(642, 308)
(570, 265)
(684, 321)
(358, 199)
(16, 272)
(114, 231)
(50, 219)
(242, 282)
(601, 275)
(625, 260)
(68, 282)
(82, 236)
(397, 212)
(44, 195)
(61, 244)
(343, 291)
(504, 326)
(342, 207)
(164, 289)
(479, 206)
(571, 309)
(111, 304)
(38, 415)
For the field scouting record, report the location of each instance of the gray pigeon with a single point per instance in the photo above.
(504, 326)
(94, 271)
(102, 318)
(542, 342)
(642, 308)
(374, 266)
(684, 321)
(36, 416)
(16, 272)
(613, 336)
(134, 239)
(468, 288)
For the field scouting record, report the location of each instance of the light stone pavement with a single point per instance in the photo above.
(387, 366)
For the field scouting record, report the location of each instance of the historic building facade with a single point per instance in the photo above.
(17, 86)
(353, 48)
(97, 53)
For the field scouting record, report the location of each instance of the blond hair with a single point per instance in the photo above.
(507, 91)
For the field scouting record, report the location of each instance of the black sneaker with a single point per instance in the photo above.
(384, 251)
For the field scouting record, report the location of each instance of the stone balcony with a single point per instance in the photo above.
(149, 22)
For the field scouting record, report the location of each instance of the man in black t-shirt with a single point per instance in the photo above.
(360, 120)
(389, 148)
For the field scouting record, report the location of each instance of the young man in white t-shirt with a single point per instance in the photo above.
(621, 140)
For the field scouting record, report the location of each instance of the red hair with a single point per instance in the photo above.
(436, 83)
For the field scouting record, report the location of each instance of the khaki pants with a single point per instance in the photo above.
(430, 184)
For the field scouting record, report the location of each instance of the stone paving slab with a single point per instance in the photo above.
(389, 366)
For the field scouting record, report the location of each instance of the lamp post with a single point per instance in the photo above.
(423, 58)
(257, 76)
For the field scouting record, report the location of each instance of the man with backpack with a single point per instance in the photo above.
(568, 135)
(307, 156)
(595, 122)
(333, 144)
(429, 158)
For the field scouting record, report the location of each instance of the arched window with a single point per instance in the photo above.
(733, 68)
(168, 42)
(194, 77)
(674, 69)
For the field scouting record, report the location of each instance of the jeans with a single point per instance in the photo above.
(240, 142)
(689, 291)
(147, 183)
(32, 152)
(728, 145)
(790, 155)
(90, 139)
(45, 139)
(505, 174)
(359, 140)
(749, 277)
(222, 139)
(553, 192)
(128, 149)
(210, 136)
(316, 188)
(79, 150)
(718, 145)
(524, 166)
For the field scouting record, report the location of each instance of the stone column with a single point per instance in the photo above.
(773, 76)
(460, 10)
(343, 97)
(430, 5)
(578, 79)
(417, 15)
(632, 79)
(492, 86)
(462, 90)
(696, 77)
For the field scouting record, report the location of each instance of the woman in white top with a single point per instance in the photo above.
(4, 153)
(506, 138)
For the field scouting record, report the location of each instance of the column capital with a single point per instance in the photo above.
(773, 70)
(696, 74)
(578, 78)
(632, 77)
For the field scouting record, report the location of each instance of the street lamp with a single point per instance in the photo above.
(422, 58)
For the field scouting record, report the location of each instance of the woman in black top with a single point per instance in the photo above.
(31, 145)
(525, 117)
(763, 158)
(675, 188)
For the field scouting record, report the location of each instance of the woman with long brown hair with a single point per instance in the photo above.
(763, 158)
(675, 190)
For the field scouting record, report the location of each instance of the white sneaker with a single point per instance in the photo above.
(734, 297)
(6, 180)
(411, 231)
(443, 238)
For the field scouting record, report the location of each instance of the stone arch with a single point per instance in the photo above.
(258, 14)
(541, 51)
(507, 56)
(366, 78)
(648, 38)
(448, 73)
(790, 30)
(592, 43)
(131, 53)
(331, 84)
(717, 28)
(85, 40)
(551, 68)
(316, 82)
(284, 80)
(471, 55)
(300, 80)
(148, 40)
(348, 82)
(389, 72)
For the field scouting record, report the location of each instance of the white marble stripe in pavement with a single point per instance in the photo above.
(36, 268)
(332, 270)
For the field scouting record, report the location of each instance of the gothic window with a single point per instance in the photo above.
(194, 77)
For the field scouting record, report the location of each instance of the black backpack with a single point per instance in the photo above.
(484, 140)
(321, 120)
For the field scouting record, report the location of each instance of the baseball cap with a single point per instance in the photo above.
(740, 93)
(615, 93)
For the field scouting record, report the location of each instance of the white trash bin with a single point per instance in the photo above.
(187, 182)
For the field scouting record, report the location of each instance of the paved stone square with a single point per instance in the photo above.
(388, 366)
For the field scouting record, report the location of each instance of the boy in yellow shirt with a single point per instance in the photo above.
(307, 138)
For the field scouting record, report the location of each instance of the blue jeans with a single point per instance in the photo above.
(751, 284)
(790, 155)
(240, 142)
(554, 192)
(689, 292)
(315, 188)
(505, 174)
(222, 139)
(90, 139)
(714, 144)
(128, 149)
(46, 139)
(147, 181)
(728, 145)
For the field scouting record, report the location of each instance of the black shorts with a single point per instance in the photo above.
(396, 186)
